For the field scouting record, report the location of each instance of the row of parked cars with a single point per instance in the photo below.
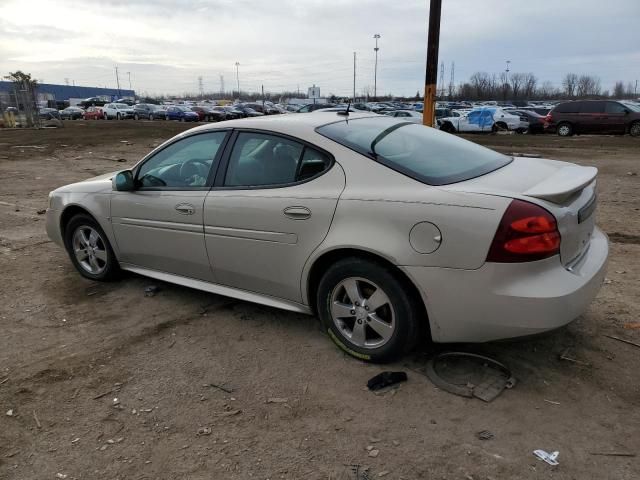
(564, 118)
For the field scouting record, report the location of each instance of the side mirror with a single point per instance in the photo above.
(122, 181)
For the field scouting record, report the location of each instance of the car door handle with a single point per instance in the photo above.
(297, 213)
(186, 209)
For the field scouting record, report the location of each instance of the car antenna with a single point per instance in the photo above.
(346, 112)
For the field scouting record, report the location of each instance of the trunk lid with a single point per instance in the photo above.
(566, 190)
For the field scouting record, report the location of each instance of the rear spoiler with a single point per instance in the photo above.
(564, 183)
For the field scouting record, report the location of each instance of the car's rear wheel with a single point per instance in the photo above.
(182, 119)
(89, 249)
(151, 117)
(634, 129)
(136, 117)
(367, 310)
(564, 129)
(499, 126)
(448, 127)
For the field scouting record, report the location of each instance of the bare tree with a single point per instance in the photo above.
(569, 83)
(529, 85)
(588, 86)
(517, 82)
(618, 90)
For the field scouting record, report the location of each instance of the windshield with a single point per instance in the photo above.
(424, 154)
(632, 106)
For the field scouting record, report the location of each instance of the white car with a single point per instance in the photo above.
(119, 111)
(406, 115)
(485, 119)
(389, 231)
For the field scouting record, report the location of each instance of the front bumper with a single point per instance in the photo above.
(52, 223)
(506, 300)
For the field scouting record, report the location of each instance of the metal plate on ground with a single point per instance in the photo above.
(469, 375)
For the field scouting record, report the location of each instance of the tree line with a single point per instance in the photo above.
(526, 86)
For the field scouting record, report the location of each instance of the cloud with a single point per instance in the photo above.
(167, 44)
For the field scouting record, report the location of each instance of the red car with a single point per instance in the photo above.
(93, 113)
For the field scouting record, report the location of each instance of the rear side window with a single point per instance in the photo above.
(261, 159)
(424, 154)
(569, 107)
(592, 107)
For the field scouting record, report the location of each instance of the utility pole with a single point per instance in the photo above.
(506, 80)
(354, 77)
(635, 90)
(375, 69)
(431, 74)
(441, 83)
(222, 85)
(262, 87)
(200, 87)
(129, 75)
(238, 77)
(66, 81)
(452, 79)
(118, 81)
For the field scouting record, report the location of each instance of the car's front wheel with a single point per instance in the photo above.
(367, 310)
(634, 129)
(90, 250)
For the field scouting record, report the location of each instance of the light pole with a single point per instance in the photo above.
(506, 80)
(238, 77)
(375, 69)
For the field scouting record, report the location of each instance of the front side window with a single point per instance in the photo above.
(424, 154)
(184, 164)
(260, 159)
(592, 107)
(614, 107)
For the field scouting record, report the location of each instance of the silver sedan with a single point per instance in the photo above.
(390, 232)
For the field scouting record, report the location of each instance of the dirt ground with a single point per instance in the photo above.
(103, 382)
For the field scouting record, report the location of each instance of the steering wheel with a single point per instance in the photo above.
(192, 167)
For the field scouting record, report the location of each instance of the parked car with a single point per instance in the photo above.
(181, 113)
(313, 106)
(72, 113)
(483, 119)
(233, 113)
(144, 110)
(593, 116)
(119, 111)
(406, 115)
(344, 218)
(535, 120)
(92, 102)
(207, 114)
(160, 113)
(249, 111)
(93, 113)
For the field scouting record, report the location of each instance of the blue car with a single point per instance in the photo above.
(184, 114)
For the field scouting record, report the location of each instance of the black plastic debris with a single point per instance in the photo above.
(386, 379)
(151, 290)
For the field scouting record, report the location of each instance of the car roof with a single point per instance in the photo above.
(301, 124)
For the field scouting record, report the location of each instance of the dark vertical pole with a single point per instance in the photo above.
(354, 77)
(431, 75)
(262, 97)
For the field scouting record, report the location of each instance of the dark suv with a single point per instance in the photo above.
(144, 110)
(593, 116)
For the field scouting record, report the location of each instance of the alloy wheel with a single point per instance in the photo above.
(564, 130)
(362, 312)
(89, 249)
(634, 131)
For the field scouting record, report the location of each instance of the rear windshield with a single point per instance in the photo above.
(424, 154)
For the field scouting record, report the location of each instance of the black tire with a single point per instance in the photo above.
(118, 116)
(151, 118)
(111, 268)
(182, 119)
(634, 129)
(405, 307)
(499, 126)
(136, 117)
(448, 127)
(564, 129)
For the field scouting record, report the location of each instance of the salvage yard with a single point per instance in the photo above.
(101, 381)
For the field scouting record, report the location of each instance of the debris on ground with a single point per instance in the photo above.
(151, 290)
(42, 212)
(484, 435)
(613, 454)
(629, 342)
(469, 375)
(550, 458)
(9, 412)
(219, 387)
(386, 379)
(564, 356)
(204, 431)
(277, 400)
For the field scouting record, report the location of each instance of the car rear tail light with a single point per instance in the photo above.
(527, 232)
(548, 118)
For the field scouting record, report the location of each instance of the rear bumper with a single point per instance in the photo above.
(501, 300)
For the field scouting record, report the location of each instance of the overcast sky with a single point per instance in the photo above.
(283, 44)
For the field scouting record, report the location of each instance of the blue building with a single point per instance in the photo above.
(63, 93)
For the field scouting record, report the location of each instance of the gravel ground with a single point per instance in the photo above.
(103, 382)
